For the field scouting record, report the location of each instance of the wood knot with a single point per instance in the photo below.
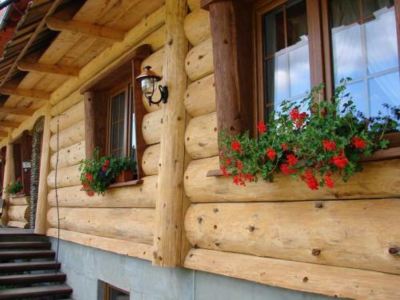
(200, 56)
(170, 42)
(251, 228)
(200, 220)
(217, 244)
(316, 252)
(215, 226)
(216, 210)
(305, 279)
(394, 250)
(319, 204)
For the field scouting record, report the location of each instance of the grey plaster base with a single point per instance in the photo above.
(85, 266)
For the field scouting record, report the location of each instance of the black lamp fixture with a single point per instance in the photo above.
(148, 80)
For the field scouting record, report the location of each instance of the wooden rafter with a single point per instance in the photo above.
(86, 28)
(50, 69)
(9, 124)
(16, 111)
(35, 94)
(3, 133)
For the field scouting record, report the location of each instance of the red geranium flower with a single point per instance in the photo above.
(310, 179)
(329, 181)
(249, 177)
(261, 127)
(329, 145)
(340, 160)
(358, 142)
(284, 147)
(239, 164)
(228, 161)
(271, 153)
(237, 179)
(107, 163)
(89, 176)
(292, 159)
(104, 168)
(236, 146)
(286, 170)
(294, 114)
(224, 171)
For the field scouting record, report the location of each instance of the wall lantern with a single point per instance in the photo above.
(148, 80)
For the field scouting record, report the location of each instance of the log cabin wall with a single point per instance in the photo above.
(335, 242)
(122, 220)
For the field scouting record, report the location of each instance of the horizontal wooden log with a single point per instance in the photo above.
(68, 176)
(377, 180)
(155, 61)
(200, 96)
(131, 224)
(17, 224)
(151, 159)
(151, 127)
(69, 117)
(69, 156)
(199, 61)
(68, 136)
(9, 124)
(194, 4)
(18, 213)
(332, 281)
(48, 68)
(197, 26)
(129, 196)
(34, 94)
(201, 137)
(122, 247)
(19, 200)
(354, 233)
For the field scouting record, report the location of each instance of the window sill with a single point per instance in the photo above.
(390, 153)
(126, 183)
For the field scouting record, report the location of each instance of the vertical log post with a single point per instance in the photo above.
(231, 31)
(26, 156)
(41, 206)
(8, 177)
(169, 215)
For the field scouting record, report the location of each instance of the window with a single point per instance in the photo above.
(109, 292)
(357, 40)
(114, 111)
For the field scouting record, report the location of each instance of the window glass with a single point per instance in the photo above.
(364, 48)
(117, 123)
(286, 54)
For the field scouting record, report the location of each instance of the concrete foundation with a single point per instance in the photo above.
(85, 266)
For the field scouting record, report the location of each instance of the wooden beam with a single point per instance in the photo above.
(56, 24)
(16, 111)
(3, 133)
(337, 282)
(169, 205)
(50, 69)
(9, 124)
(9, 175)
(35, 94)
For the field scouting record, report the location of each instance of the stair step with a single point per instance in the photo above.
(29, 266)
(32, 278)
(13, 232)
(25, 245)
(21, 254)
(39, 291)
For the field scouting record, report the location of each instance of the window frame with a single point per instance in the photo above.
(320, 55)
(122, 75)
(107, 289)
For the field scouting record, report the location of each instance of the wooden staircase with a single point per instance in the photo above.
(28, 269)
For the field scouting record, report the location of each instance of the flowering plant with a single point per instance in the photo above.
(310, 146)
(14, 187)
(99, 172)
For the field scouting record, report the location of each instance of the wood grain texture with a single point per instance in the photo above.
(17, 224)
(353, 233)
(19, 200)
(197, 26)
(201, 137)
(199, 61)
(194, 4)
(69, 136)
(377, 180)
(69, 156)
(131, 224)
(122, 247)
(151, 127)
(68, 176)
(129, 196)
(169, 203)
(18, 213)
(200, 96)
(306, 277)
(150, 160)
